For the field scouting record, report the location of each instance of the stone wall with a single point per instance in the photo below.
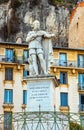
(76, 28)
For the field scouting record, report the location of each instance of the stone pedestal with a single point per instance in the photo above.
(41, 92)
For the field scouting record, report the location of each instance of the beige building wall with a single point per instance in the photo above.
(72, 76)
(16, 84)
(73, 95)
(76, 28)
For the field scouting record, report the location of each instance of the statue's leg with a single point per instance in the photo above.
(34, 63)
(42, 63)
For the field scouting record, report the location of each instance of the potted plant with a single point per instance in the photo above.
(15, 56)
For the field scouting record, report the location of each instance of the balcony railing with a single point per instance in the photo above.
(68, 63)
(17, 59)
(81, 64)
(81, 107)
(80, 86)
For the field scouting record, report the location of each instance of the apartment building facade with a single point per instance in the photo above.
(69, 68)
(13, 94)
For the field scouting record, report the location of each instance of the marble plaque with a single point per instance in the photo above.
(39, 94)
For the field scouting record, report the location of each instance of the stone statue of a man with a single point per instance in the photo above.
(36, 51)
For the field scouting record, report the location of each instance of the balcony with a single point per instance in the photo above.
(18, 59)
(8, 107)
(81, 86)
(64, 108)
(24, 106)
(68, 63)
(81, 107)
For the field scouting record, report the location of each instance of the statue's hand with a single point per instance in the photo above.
(52, 35)
(35, 35)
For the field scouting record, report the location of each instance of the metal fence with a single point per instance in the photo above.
(18, 59)
(68, 63)
(42, 121)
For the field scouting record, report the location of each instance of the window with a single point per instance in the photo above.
(62, 59)
(8, 96)
(24, 96)
(64, 99)
(63, 77)
(25, 73)
(7, 121)
(81, 99)
(81, 102)
(9, 55)
(25, 56)
(81, 81)
(81, 61)
(8, 74)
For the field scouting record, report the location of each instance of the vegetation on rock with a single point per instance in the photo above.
(2, 1)
(63, 2)
(15, 3)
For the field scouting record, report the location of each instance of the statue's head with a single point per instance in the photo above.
(36, 25)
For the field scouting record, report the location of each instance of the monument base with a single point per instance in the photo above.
(41, 92)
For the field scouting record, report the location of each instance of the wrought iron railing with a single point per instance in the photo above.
(81, 107)
(42, 121)
(68, 63)
(13, 59)
(64, 63)
(81, 64)
(80, 86)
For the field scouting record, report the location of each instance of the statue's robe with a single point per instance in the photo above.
(48, 52)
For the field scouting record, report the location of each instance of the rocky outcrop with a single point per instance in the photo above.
(8, 21)
(54, 19)
(2, 21)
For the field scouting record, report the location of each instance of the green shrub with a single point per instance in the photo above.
(3, 1)
(15, 3)
(75, 126)
(62, 1)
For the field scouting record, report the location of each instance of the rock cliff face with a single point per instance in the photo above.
(52, 18)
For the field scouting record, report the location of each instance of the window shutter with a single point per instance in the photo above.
(64, 99)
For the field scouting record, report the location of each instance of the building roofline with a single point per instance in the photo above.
(66, 48)
(13, 43)
(25, 44)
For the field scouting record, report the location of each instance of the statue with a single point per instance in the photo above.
(19, 38)
(31, 68)
(37, 49)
